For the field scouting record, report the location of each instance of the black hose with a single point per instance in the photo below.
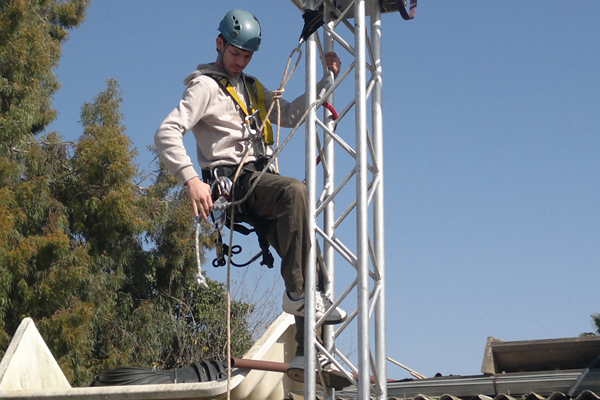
(204, 371)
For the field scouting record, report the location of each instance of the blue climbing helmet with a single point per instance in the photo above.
(241, 29)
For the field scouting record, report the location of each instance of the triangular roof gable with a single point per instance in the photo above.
(17, 372)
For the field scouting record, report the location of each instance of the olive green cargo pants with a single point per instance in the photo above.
(278, 206)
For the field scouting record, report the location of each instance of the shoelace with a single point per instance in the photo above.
(325, 363)
(324, 303)
(319, 302)
(323, 360)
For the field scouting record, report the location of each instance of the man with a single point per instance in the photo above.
(216, 111)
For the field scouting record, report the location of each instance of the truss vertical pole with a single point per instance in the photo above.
(329, 185)
(311, 183)
(378, 206)
(367, 259)
(329, 211)
(362, 211)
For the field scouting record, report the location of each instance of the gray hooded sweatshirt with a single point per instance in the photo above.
(216, 122)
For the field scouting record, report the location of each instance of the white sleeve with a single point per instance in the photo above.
(169, 136)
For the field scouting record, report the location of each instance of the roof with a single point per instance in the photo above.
(540, 355)
(516, 385)
(554, 385)
(553, 369)
(28, 370)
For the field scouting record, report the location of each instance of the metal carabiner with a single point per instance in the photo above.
(222, 186)
(256, 137)
(253, 123)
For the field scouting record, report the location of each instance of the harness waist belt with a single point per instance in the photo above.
(229, 170)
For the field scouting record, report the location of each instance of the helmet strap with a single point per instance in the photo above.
(221, 53)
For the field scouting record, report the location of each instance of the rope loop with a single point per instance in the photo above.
(277, 94)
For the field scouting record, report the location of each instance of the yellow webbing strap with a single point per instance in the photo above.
(260, 92)
(227, 86)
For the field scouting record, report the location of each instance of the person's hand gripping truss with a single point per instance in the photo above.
(333, 63)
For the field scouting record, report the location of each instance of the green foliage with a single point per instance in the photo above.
(31, 35)
(103, 266)
(596, 320)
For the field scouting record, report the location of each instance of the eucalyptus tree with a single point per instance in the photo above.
(102, 264)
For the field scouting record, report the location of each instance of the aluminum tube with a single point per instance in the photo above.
(310, 179)
(378, 203)
(329, 211)
(361, 199)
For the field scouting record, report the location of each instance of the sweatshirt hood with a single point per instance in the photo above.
(205, 69)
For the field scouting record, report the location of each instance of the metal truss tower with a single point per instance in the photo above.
(347, 195)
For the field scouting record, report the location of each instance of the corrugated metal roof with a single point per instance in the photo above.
(552, 369)
(553, 385)
(585, 395)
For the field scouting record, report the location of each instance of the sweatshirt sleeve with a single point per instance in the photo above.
(169, 136)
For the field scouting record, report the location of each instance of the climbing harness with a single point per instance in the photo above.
(258, 125)
(257, 113)
(222, 189)
(221, 186)
(222, 249)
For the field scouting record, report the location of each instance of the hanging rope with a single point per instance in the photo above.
(276, 95)
(313, 20)
(200, 279)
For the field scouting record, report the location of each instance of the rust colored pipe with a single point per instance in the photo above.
(272, 366)
(259, 364)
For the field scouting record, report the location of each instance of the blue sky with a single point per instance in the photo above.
(492, 136)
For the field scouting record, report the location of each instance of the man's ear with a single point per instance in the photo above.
(220, 43)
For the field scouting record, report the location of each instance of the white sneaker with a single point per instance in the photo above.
(334, 378)
(323, 303)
